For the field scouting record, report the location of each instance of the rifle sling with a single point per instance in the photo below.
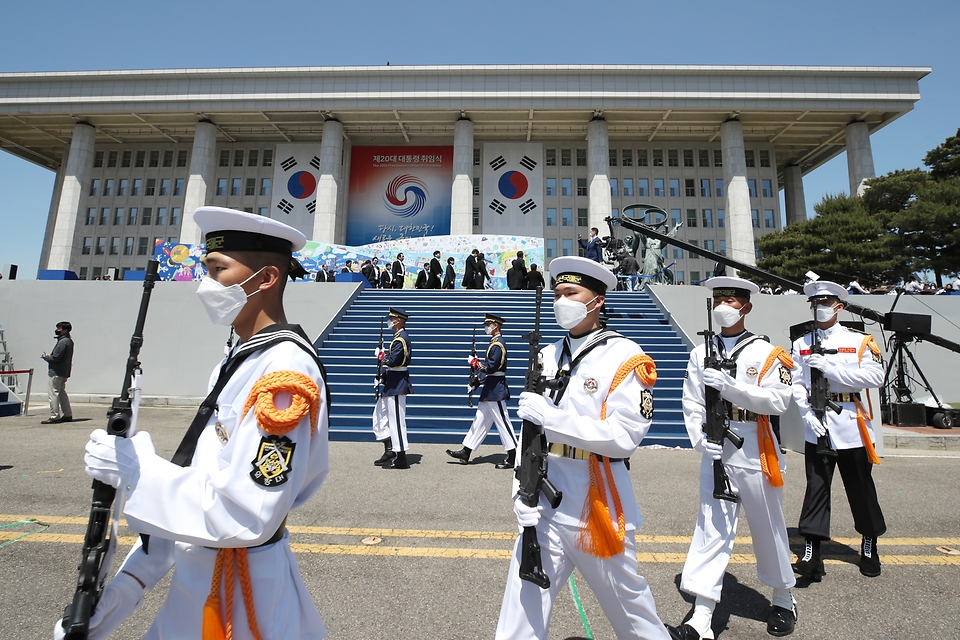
(599, 338)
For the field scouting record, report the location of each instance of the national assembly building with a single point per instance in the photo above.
(357, 155)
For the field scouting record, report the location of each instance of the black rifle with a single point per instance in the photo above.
(532, 470)
(717, 427)
(819, 396)
(376, 395)
(474, 378)
(98, 549)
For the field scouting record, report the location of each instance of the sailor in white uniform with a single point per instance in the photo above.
(256, 450)
(593, 425)
(758, 388)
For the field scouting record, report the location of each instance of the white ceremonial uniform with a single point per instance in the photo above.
(716, 527)
(623, 594)
(215, 503)
(849, 373)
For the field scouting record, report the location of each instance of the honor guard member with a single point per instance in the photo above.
(492, 406)
(852, 363)
(390, 413)
(256, 450)
(593, 424)
(758, 387)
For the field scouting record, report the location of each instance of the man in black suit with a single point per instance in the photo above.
(421, 282)
(385, 280)
(347, 267)
(469, 270)
(534, 278)
(370, 273)
(450, 277)
(398, 272)
(322, 275)
(518, 277)
(480, 275)
(433, 282)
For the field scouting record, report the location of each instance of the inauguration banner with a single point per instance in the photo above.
(398, 192)
(513, 188)
(293, 198)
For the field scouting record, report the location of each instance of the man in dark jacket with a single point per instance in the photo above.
(534, 278)
(519, 269)
(592, 247)
(470, 268)
(480, 276)
(60, 363)
(398, 272)
(421, 282)
(629, 268)
(433, 281)
(370, 273)
(385, 278)
(450, 276)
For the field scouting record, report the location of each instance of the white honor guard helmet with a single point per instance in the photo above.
(584, 272)
(724, 286)
(824, 289)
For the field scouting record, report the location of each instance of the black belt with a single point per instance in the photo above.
(845, 397)
(566, 451)
(741, 415)
(276, 537)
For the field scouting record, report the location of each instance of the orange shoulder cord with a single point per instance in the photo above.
(868, 342)
(598, 537)
(304, 399)
(767, 444)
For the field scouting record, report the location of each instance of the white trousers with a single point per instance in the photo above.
(623, 594)
(487, 412)
(390, 421)
(716, 529)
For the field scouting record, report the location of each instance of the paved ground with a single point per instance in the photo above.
(447, 530)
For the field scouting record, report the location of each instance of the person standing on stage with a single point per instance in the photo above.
(852, 364)
(385, 277)
(480, 275)
(398, 272)
(759, 386)
(534, 278)
(470, 270)
(59, 365)
(492, 406)
(450, 275)
(390, 413)
(433, 282)
(593, 426)
(593, 248)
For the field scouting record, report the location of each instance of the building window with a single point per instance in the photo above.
(719, 188)
(678, 277)
(137, 186)
(581, 157)
(691, 217)
(238, 157)
(566, 218)
(151, 187)
(235, 187)
(141, 159)
(755, 217)
(705, 188)
(694, 277)
(112, 159)
(703, 157)
(147, 218)
(114, 246)
(222, 187)
(168, 158)
(567, 247)
(612, 156)
(642, 187)
(658, 157)
(628, 187)
(674, 187)
(550, 158)
(756, 250)
(748, 156)
(565, 158)
(551, 248)
(717, 158)
(132, 216)
(182, 158)
(142, 247)
(641, 157)
(263, 211)
(178, 187)
(688, 157)
(253, 158)
(581, 217)
(551, 217)
(91, 216)
(268, 158)
(708, 218)
(581, 186)
(108, 187)
(566, 186)
(122, 187)
(98, 159)
(265, 187)
(125, 159)
(674, 217)
(708, 245)
(767, 187)
(101, 246)
(476, 162)
(155, 158)
(768, 221)
(165, 186)
(658, 187)
(752, 187)
(161, 216)
(677, 253)
(476, 186)
(721, 218)
(83, 273)
(118, 214)
(764, 158)
(104, 216)
(688, 189)
(87, 245)
(97, 272)
(615, 213)
(251, 189)
(476, 214)
(551, 186)
(723, 247)
(626, 157)
(175, 216)
(94, 187)
(614, 187)
(673, 158)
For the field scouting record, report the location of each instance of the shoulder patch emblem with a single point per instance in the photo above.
(590, 385)
(876, 357)
(221, 432)
(751, 372)
(646, 404)
(785, 376)
(274, 461)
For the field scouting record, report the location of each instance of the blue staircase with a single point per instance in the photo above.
(10, 405)
(440, 328)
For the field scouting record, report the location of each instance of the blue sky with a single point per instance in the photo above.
(57, 36)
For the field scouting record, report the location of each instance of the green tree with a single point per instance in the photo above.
(944, 161)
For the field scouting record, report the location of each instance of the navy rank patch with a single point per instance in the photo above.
(876, 357)
(274, 461)
(646, 404)
(785, 376)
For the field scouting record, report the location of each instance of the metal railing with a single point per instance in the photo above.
(16, 372)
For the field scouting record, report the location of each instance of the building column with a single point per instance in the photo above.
(859, 156)
(328, 186)
(76, 179)
(598, 170)
(461, 204)
(52, 213)
(739, 225)
(200, 183)
(793, 195)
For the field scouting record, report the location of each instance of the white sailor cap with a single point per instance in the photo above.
(584, 272)
(731, 286)
(230, 230)
(824, 289)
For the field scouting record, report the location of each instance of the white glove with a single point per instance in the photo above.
(114, 460)
(151, 567)
(121, 597)
(815, 425)
(713, 450)
(717, 379)
(377, 351)
(818, 361)
(537, 409)
(526, 516)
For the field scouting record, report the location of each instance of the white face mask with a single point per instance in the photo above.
(223, 304)
(488, 329)
(570, 313)
(824, 314)
(726, 316)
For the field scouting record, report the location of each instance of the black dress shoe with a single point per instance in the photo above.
(509, 462)
(869, 558)
(462, 454)
(398, 462)
(810, 566)
(683, 632)
(66, 419)
(781, 622)
(51, 421)
(387, 456)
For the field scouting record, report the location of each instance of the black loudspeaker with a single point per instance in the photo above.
(908, 414)
(912, 323)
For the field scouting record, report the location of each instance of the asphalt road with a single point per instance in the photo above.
(446, 532)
